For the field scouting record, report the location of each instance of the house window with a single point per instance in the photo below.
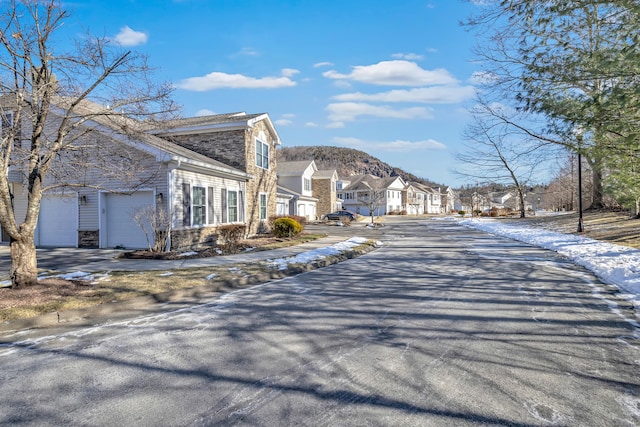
(263, 206)
(262, 154)
(7, 120)
(7, 125)
(307, 184)
(198, 206)
(232, 205)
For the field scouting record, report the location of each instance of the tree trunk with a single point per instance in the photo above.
(24, 266)
(598, 201)
(523, 208)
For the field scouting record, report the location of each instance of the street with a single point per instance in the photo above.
(442, 326)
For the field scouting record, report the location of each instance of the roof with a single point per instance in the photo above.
(216, 123)
(325, 174)
(130, 131)
(212, 119)
(293, 167)
(367, 182)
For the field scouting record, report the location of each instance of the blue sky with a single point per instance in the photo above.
(391, 78)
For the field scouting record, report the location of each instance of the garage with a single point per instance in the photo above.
(120, 229)
(58, 221)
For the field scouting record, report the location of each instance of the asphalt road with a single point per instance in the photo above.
(443, 326)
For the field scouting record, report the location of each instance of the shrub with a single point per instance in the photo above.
(286, 227)
(232, 234)
(299, 219)
(462, 213)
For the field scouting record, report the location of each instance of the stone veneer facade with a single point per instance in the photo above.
(326, 195)
(237, 148)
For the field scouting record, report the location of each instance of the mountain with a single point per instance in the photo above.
(347, 162)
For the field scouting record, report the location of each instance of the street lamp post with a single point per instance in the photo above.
(580, 228)
(579, 137)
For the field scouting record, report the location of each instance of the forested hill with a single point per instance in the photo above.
(347, 162)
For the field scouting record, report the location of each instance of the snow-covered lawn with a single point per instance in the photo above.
(612, 264)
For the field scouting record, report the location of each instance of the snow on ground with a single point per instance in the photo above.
(316, 254)
(612, 264)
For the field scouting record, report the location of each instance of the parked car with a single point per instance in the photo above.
(340, 215)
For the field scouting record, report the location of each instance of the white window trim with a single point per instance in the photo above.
(266, 206)
(263, 145)
(203, 206)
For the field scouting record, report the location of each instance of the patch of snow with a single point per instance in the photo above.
(613, 264)
(211, 276)
(167, 273)
(190, 253)
(316, 254)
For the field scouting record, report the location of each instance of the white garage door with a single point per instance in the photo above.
(58, 221)
(121, 229)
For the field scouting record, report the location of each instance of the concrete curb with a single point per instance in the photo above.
(176, 299)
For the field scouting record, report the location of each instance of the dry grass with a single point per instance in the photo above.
(55, 295)
(613, 227)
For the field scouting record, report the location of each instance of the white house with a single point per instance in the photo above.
(89, 208)
(360, 193)
(296, 180)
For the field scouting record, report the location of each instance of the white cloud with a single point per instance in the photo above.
(283, 122)
(400, 145)
(311, 124)
(289, 72)
(335, 125)
(428, 95)
(246, 51)
(408, 56)
(349, 111)
(342, 84)
(322, 64)
(129, 37)
(397, 145)
(288, 115)
(205, 112)
(395, 73)
(217, 80)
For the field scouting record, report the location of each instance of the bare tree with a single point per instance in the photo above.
(372, 197)
(575, 64)
(45, 93)
(495, 151)
(156, 224)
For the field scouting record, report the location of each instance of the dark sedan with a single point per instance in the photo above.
(340, 215)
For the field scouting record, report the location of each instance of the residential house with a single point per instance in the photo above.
(361, 193)
(414, 199)
(295, 180)
(510, 200)
(325, 189)
(431, 200)
(434, 201)
(86, 206)
(451, 201)
(246, 142)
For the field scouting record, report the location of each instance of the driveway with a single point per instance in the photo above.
(442, 326)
